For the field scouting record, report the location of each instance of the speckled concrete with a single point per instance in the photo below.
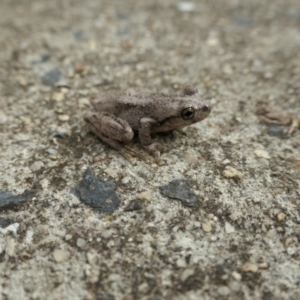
(241, 241)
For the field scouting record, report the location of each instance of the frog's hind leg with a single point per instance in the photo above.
(113, 131)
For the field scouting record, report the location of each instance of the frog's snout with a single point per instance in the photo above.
(89, 116)
(206, 109)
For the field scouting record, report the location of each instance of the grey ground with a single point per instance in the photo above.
(241, 241)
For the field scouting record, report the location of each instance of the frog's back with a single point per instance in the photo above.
(130, 106)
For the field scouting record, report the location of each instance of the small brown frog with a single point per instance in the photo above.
(118, 116)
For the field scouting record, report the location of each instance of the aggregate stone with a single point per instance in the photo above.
(275, 130)
(51, 77)
(179, 189)
(134, 205)
(5, 222)
(97, 193)
(8, 199)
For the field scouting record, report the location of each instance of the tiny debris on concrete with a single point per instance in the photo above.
(8, 199)
(97, 193)
(179, 189)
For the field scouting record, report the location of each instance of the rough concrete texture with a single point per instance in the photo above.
(241, 241)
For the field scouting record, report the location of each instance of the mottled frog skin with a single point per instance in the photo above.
(117, 116)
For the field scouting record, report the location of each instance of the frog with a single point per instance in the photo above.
(118, 116)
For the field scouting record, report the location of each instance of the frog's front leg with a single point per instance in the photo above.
(146, 125)
(111, 130)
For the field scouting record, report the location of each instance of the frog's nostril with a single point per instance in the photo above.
(205, 109)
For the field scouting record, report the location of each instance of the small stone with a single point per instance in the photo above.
(5, 222)
(291, 251)
(250, 267)
(261, 154)
(191, 158)
(186, 274)
(44, 183)
(223, 291)
(22, 81)
(84, 102)
(51, 151)
(10, 247)
(126, 180)
(3, 117)
(229, 228)
(68, 237)
(63, 118)
(235, 286)
(112, 172)
(96, 159)
(61, 135)
(143, 288)
(186, 6)
(61, 255)
(237, 276)
(181, 263)
(226, 161)
(264, 162)
(256, 200)
(230, 172)
(80, 242)
(271, 233)
(51, 77)
(207, 227)
(179, 189)
(288, 241)
(146, 195)
(58, 97)
(233, 217)
(263, 265)
(36, 166)
(97, 193)
(8, 199)
(268, 75)
(281, 217)
(212, 42)
(275, 130)
(92, 258)
(79, 68)
(134, 205)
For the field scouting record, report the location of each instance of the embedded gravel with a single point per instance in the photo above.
(241, 240)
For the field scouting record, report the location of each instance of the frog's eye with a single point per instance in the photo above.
(188, 113)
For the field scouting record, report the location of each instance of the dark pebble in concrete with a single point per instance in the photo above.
(8, 199)
(61, 135)
(180, 190)
(275, 130)
(5, 222)
(51, 77)
(97, 193)
(134, 205)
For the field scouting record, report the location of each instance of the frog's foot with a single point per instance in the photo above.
(295, 124)
(154, 150)
(132, 152)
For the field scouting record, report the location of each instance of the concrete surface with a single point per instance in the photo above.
(241, 241)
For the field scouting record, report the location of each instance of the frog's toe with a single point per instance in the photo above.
(126, 154)
(155, 147)
(135, 153)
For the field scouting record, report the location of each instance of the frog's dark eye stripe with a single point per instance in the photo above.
(187, 113)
